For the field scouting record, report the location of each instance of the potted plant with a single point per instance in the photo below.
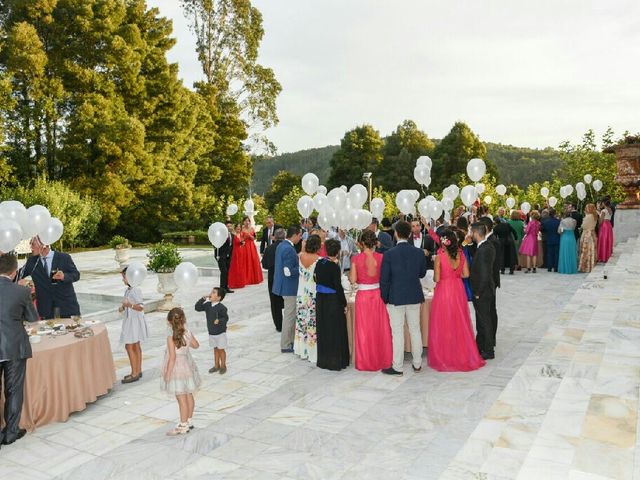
(163, 259)
(121, 245)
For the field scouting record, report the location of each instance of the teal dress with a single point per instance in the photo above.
(568, 258)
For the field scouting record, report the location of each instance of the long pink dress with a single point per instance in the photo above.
(529, 245)
(372, 330)
(452, 346)
(605, 237)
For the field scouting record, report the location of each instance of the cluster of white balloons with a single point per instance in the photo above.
(19, 223)
(185, 275)
(422, 171)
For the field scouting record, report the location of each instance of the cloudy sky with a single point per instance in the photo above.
(524, 73)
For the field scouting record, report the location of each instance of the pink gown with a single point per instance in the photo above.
(452, 346)
(529, 245)
(605, 238)
(372, 330)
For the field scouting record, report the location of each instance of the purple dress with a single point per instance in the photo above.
(529, 246)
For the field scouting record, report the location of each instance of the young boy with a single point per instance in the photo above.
(217, 318)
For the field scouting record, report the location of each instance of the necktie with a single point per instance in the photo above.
(44, 265)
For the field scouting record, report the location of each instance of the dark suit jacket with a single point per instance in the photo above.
(226, 250)
(427, 243)
(386, 242)
(481, 271)
(402, 268)
(549, 228)
(50, 295)
(213, 312)
(577, 216)
(497, 259)
(15, 306)
(269, 261)
(264, 241)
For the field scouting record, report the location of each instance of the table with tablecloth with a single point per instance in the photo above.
(64, 375)
(425, 311)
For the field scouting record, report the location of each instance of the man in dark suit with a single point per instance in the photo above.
(551, 237)
(53, 274)
(402, 268)
(269, 263)
(497, 263)
(421, 239)
(267, 234)
(385, 242)
(223, 257)
(483, 287)
(577, 216)
(15, 307)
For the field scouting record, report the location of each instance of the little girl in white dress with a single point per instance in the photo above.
(180, 375)
(134, 328)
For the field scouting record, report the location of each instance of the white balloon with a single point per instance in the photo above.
(415, 195)
(544, 191)
(581, 194)
(435, 209)
(563, 192)
(358, 195)
(552, 201)
(305, 206)
(377, 208)
(345, 219)
(423, 207)
(424, 161)
(248, 207)
(447, 204)
(525, 207)
(344, 188)
(319, 201)
(568, 189)
(10, 234)
(455, 191)
(39, 218)
(310, 183)
(476, 169)
(232, 209)
(405, 201)
(480, 188)
(218, 234)
(431, 197)
(468, 195)
(422, 175)
(588, 178)
(327, 218)
(14, 210)
(597, 185)
(52, 232)
(501, 189)
(361, 218)
(337, 198)
(322, 189)
(488, 199)
(136, 273)
(511, 202)
(186, 275)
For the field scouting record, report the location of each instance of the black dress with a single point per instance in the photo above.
(507, 236)
(331, 321)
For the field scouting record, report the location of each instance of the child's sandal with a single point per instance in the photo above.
(181, 429)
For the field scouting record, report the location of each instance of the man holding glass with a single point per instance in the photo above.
(53, 274)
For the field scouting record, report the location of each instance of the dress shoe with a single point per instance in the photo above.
(487, 355)
(289, 349)
(223, 370)
(229, 291)
(213, 370)
(391, 371)
(21, 433)
(417, 370)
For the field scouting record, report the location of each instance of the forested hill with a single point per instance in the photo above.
(517, 165)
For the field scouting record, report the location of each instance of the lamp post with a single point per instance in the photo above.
(368, 177)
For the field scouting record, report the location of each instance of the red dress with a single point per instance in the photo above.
(452, 347)
(372, 330)
(245, 266)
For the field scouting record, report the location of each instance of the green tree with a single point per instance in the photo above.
(451, 155)
(286, 211)
(281, 184)
(360, 152)
(401, 149)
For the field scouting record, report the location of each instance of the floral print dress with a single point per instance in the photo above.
(304, 343)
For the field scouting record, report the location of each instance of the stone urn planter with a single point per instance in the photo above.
(122, 256)
(628, 174)
(167, 286)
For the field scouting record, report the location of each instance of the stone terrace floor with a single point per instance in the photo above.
(559, 400)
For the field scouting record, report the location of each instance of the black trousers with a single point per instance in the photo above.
(551, 253)
(494, 318)
(277, 302)
(223, 264)
(484, 323)
(12, 374)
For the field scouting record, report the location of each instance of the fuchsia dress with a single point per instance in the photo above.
(372, 330)
(529, 246)
(452, 346)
